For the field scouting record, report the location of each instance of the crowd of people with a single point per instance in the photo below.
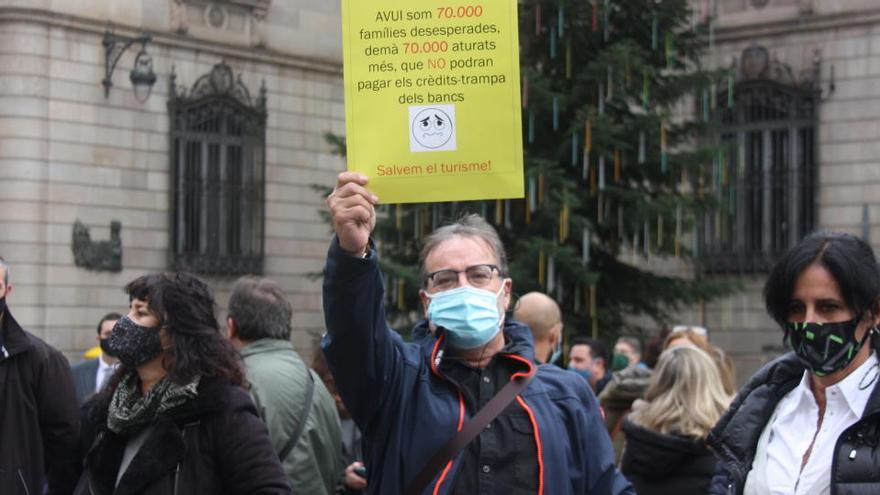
(478, 400)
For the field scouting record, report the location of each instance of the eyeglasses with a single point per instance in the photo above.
(478, 276)
(684, 328)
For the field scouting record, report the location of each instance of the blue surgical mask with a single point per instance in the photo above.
(587, 374)
(557, 353)
(470, 316)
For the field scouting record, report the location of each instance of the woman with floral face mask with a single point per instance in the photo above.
(174, 418)
(809, 422)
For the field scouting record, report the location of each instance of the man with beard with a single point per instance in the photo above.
(90, 376)
(39, 421)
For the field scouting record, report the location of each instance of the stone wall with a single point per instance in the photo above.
(68, 153)
(846, 35)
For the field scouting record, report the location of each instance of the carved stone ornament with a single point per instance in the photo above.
(97, 255)
(219, 82)
(242, 20)
(756, 62)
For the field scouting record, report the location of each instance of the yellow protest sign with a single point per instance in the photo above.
(432, 98)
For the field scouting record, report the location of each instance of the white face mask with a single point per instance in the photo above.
(471, 317)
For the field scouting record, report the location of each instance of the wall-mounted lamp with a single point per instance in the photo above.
(142, 75)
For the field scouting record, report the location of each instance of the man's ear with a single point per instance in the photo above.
(231, 329)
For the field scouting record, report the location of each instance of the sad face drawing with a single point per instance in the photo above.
(432, 128)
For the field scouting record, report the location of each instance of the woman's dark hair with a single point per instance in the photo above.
(847, 258)
(185, 307)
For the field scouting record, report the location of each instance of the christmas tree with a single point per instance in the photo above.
(621, 162)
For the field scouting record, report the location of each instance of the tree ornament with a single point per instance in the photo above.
(531, 127)
(655, 31)
(561, 19)
(585, 246)
(664, 150)
(533, 194)
(643, 145)
(555, 113)
(538, 19)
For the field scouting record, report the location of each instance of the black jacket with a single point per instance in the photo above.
(661, 464)
(39, 418)
(215, 444)
(856, 462)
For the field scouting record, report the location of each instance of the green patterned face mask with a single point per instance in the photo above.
(826, 348)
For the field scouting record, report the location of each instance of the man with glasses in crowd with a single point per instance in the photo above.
(411, 398)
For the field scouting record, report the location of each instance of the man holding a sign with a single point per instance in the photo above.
(462, 409)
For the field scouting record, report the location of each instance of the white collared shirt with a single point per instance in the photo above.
(103, 374)
(776, 469)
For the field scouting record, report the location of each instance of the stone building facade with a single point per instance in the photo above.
(832, 51)
(69, 152)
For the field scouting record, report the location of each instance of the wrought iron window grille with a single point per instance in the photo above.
(765, 179)
(218, 141)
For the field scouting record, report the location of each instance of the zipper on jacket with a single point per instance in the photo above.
(23, 484)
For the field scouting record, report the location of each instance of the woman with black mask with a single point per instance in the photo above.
(809, 422)
(174, 418)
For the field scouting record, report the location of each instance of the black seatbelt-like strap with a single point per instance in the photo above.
(307, 409)
(469, 431)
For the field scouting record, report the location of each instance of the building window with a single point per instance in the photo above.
(218, 141)
(765, 178)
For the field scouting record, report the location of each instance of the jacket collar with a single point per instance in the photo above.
(13, 339)
(265, 345)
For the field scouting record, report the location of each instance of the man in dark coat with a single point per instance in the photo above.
(39, 419)
(89, 376)
(410, 398)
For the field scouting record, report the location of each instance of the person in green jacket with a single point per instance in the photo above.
(285, 391)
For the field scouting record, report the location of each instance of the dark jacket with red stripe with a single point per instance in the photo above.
(407, 410)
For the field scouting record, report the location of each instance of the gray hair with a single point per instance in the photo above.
(471, 225)
(5, 266)
(260, 310)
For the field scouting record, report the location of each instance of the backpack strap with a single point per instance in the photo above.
(304, 417)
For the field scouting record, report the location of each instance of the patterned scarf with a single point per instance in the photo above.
(130, 411)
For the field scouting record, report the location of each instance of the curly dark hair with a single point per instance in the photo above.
(185, 307)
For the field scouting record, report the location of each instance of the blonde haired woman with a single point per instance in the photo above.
(698, 336)
(665, 449)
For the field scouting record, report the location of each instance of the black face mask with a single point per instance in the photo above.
(105, 347)
(826, 348)
(134, 344)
